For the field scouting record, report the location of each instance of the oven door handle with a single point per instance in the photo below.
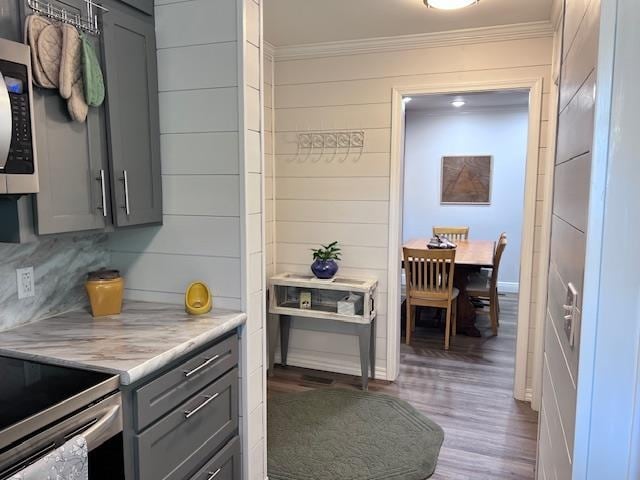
(6, 123)
(106, 427)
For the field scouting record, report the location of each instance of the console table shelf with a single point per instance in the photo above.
(320, 301)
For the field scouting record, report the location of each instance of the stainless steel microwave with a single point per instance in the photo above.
(18, 159)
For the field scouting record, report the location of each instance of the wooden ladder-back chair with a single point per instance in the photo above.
(484, 286)
(452, 233)
(429, 278)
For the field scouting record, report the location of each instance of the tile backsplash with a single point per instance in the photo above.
(60, 263)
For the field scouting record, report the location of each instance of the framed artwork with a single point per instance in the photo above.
(466, 180)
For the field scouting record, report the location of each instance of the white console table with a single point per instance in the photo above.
(284, 301)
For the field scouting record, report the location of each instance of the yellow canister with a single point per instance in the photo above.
(105, 290)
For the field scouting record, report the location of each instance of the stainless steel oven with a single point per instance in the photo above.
(42, 406)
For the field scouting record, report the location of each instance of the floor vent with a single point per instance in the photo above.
(314, 379)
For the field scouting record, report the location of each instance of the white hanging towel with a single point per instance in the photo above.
(69, 462)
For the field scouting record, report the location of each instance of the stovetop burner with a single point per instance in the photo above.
(34, 395)
(27, 388)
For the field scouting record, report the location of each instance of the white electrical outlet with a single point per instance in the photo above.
(26, 282)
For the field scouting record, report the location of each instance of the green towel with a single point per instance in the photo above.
(92, 73)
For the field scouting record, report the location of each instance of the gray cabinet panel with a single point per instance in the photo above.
(161, 395)
(145, 6)
(132, 116)
(71, 156)
(177, 445)
(224, 466)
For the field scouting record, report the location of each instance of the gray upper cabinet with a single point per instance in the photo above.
(145, 6)
(83, 166)
(72, 159)
(131, 75)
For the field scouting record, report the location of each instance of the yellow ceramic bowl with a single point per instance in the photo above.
(198, 299)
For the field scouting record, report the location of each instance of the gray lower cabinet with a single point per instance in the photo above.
(224, 466)
(182, 423)
(131, 74)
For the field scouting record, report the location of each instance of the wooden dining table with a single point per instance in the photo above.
(471, 256)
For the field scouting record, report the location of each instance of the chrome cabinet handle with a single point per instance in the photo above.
(213, 475)
(104, 194)
(209, 399)
(125, 179)
(208, 361)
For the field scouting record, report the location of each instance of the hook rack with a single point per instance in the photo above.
(331, 142)
(88, 23)
(346, 139)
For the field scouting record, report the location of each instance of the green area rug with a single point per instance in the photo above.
(338, 434)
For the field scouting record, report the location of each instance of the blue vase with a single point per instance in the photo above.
(324, 269)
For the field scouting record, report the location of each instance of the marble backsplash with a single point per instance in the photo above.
(60, 265)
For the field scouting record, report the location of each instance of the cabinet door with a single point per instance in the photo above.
(145, 6)
(132, 115)
(72, 158)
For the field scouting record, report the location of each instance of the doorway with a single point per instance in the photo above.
(533, 89)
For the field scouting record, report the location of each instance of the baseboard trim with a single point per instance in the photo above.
(509, 287)
(322, 363)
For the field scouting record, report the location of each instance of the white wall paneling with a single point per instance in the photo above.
(572, 172)
(607, 432)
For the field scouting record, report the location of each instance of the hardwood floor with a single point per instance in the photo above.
(467, 390)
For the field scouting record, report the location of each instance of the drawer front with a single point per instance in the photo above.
(145, 6)
(224, 466)
(163, 394)
(176, 445)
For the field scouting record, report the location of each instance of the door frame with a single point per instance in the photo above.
(534, 85)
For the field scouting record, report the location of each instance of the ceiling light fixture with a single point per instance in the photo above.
(458, 103)
(450, 4)
(406, 100)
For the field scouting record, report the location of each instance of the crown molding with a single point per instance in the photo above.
(467, 36)
(268, 49)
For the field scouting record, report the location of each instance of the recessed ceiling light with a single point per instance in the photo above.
(458, 103)
(406, 100)
(449, 4)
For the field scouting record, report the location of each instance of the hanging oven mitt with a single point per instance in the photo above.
(71, 82)
(49, 53)
(33, 27)
(92, 74)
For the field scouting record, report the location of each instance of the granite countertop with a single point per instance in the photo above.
(145, 337)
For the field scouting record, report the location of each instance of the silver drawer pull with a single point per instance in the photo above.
(213, 475)
(208, 361)
(209, 399)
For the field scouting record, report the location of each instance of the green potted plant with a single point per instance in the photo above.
(324, 264)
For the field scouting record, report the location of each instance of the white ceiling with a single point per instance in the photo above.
(296, 22)
(473, 100)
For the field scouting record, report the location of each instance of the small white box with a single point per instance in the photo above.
(350, 304)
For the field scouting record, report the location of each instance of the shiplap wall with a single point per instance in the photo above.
(210, 82)
(255, 443)
(269, 169)
(568, 237)
(321, 201)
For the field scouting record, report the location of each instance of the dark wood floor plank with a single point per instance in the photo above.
(467, 390)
